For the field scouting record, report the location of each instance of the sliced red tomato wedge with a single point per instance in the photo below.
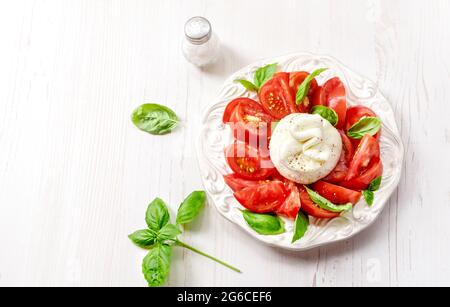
(277, 176)
(228, 115)
(251, 124)
(354, 114)
(283, 75)
(248, 162)
(341, 169)
(309, 207)
(263, 198)
(332, 95)
(276, 98)
(237, 183)
(336, 194)
(368, 150)
(374, 170)
(292, 204)
(365, 166)
(295, 79)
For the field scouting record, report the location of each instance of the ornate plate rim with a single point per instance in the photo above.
(320, 226)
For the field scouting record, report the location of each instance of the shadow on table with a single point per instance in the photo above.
(229, 61)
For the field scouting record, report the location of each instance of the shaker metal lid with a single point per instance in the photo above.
(198, 30)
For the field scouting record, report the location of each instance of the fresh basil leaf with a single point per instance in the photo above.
(157, 215)
(248, 85)
(264, 74)
(155, 119)
(264, 224)
(191, 207)
(375, 184)
(369, 196)
(156, 265)
(301, 226)
(324, 203)
(303, 89)
(143, 238)
(327, 113)
(168, 232)
(366, 125)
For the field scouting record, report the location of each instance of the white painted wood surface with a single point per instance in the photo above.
(76, 175)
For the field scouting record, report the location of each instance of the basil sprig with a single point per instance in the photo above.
(161, 236)
(369, 194)
(264, 224)
(301, 226)
(262, 75)
(157, 215)
(303, 89)
(143, 238)
(366, 125)
(155, 119)
(168, 232)
(156, 265)
(324, 203)
(327, 113)
(191, 207)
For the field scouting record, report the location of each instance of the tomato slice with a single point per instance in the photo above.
(354, 114)
(277, 176)
(237, 183)
(283, 75)
(309, 207)
(336, 194)
(251, 123)
(263, 198)
(368, 150)
(250, 111)
(276, 98)
(341, 169)
(295, 79)
(228, 115)
(248, 162)
(361, 182)
(292, 204)
(365, 166)
(332, 95)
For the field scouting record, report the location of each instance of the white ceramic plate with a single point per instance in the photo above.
(215, 137)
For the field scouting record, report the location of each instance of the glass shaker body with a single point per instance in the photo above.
(201, 46)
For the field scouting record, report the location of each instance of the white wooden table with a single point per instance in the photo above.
(76, 175)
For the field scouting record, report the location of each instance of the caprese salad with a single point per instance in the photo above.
(299, 150)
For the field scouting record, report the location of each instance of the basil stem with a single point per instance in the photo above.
(182, 244)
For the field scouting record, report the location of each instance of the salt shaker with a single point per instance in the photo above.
(201, 46)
